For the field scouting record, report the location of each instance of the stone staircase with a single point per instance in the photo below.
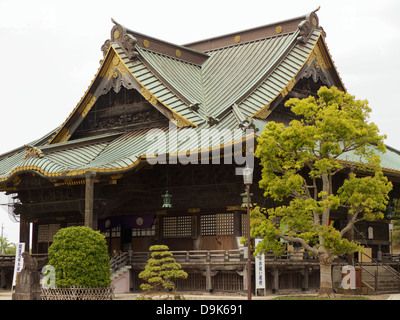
(120, 280)
(119, 272)
(387, 281)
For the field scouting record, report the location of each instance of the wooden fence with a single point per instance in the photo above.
(78, 293)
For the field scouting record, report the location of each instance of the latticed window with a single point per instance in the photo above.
(216, 224)
(245, 224)
(224, 223)
(116, 232)
(144, 232)
(43, 233)
(46, 232)
(208, 225)
(180, 226)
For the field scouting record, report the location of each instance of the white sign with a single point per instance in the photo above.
(260, 268)
(349, 280)
(19, 261)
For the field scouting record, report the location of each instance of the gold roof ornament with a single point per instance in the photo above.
(33, 152)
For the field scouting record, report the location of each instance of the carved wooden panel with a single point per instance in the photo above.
(123, 109)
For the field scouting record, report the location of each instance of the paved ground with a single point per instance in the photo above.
(6, 295)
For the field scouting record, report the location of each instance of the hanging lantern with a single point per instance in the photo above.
(244, 199)
(166, 200)
(389, 214)
(248, 176)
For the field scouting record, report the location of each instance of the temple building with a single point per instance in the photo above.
(153, 151)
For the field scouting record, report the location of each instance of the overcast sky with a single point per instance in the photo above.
(50, 52)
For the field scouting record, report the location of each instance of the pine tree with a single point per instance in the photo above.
(331, 140)
(160, 270)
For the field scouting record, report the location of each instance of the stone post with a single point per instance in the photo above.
(28, 280)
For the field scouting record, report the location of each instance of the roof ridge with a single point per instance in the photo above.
(120, 32)
(254, 33)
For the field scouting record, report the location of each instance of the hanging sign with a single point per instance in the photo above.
(260, 268)
(19, 261)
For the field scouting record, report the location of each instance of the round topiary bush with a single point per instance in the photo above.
(79, 256)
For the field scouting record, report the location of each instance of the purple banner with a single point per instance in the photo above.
(137, 221)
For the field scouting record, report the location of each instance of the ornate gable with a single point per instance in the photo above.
(120, 109)
(114, 74)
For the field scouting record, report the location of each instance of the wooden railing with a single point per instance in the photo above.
(7, 260)
(386, 259)
(221, 256)
(120, 260)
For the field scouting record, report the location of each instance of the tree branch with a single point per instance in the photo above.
(301, 241)
(350, 224)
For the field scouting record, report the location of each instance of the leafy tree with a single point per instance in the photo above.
(80, 258)
(160, 270)
(299, 163)
(6, 247)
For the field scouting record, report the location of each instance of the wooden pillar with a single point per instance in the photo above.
(245, 275)
(305, 278)
(89, 194)
(35, 230)
(237, 223)
(3, 278)
(209, 287)
(275, 281)
(24, 232)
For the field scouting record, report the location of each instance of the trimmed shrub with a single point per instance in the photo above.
(79, 256)
(161, 270)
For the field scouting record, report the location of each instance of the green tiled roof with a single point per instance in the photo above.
(232, 82)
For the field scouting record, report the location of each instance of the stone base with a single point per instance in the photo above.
(160, 296)
(26, 296)
(28, 286)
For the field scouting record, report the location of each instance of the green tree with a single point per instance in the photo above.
(6, 247)
(161, 270)
(299, 162)
(80, 258)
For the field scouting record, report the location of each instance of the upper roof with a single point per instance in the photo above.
(227, 82)
(200, 82)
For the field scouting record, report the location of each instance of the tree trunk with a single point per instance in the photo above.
(325, 287)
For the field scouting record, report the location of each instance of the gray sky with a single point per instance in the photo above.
(50, 52)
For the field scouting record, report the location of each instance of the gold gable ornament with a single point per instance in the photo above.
(32, 153)
(316, 55)
(88, 106)
(148, 96)
(116, 64)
